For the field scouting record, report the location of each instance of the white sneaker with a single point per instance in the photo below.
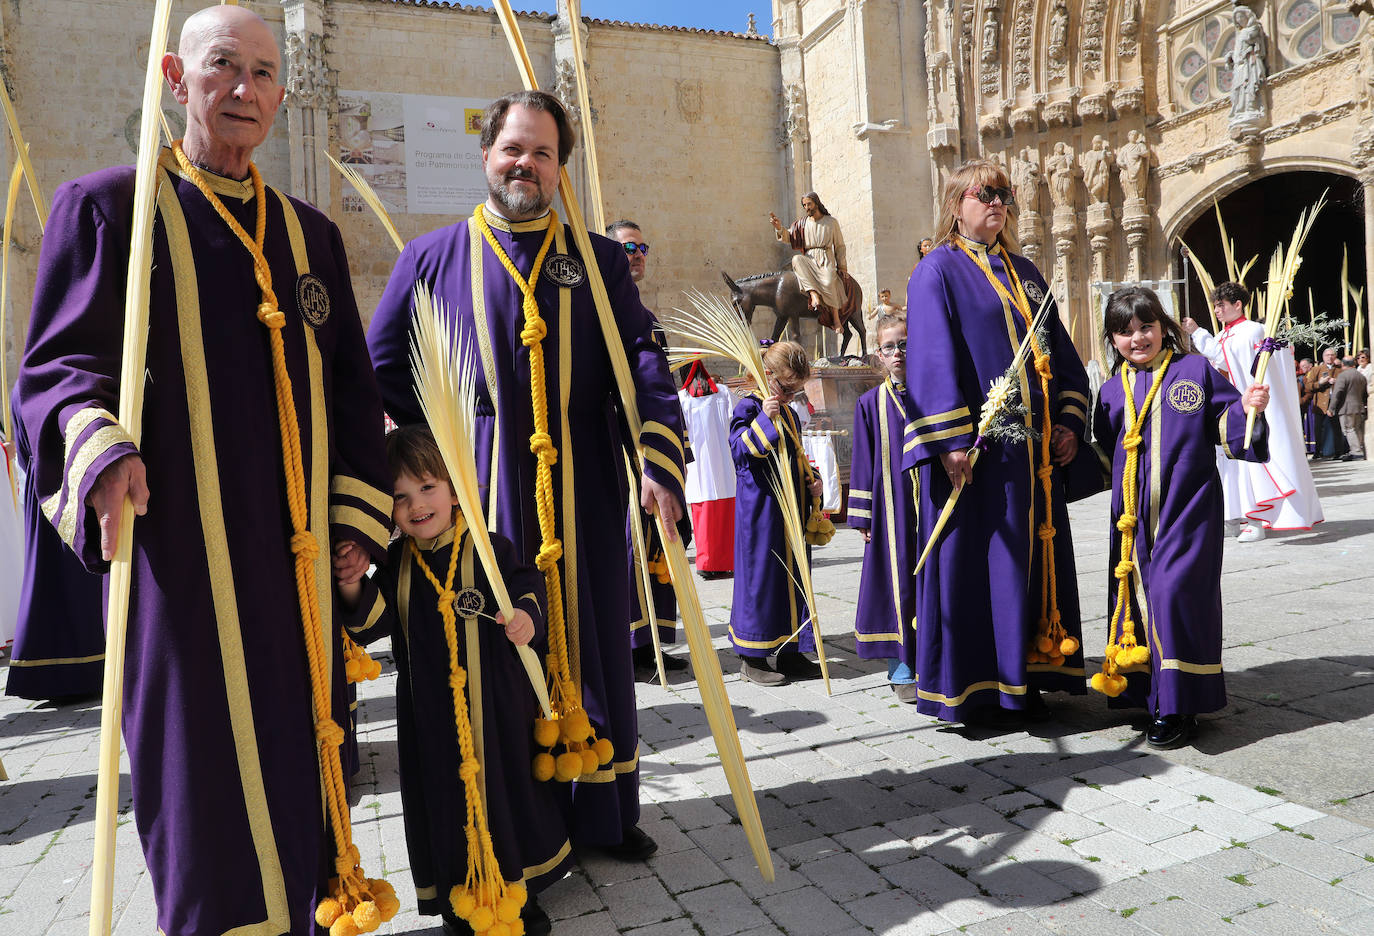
(1250, 534)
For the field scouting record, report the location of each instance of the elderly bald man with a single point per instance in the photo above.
(226, 745)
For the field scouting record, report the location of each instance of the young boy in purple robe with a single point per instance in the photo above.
(527, 832)
(1161, 415)
(882, 507)
(769, 609)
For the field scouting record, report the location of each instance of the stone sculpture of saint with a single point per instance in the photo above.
(1097, 166)
(1060, 169)
(1133, 163)
(1025, 177)
(990, 36)
(1246, 59)
(1059, 27)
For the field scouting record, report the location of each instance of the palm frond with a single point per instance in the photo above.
(370, 196)
(794, 527)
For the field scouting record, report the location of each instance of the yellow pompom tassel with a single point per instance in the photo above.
(604, 751)
(1044, 644)
(1056, 659)
(388, 904)
(543, 767)
(567, 766)
(590, 761)
(575, 726)
(545, 732)
(507, 909)
(1111, 652)
(1068, 646)
(481, 920)
(499, 929)
(517, 928)
(353, 671)
(328, 911)
(373, 669)
(344, 926)
(367, 917)
(462, 901)
(1140, 655)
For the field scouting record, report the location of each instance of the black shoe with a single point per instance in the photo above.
(537, 922)
(644, 660)
(1036, 711)
(905, 692)
(757, 671)
(1171, 731)
(1347, 457)
(454, 926)
(635, 845)
(711, 576)
(796, 666)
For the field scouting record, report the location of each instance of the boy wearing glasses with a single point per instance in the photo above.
(882, 507)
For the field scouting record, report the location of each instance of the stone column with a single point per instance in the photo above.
(1367, 180)
(565, 88)
(1135, 221)
(310, 95)
(1100, 226)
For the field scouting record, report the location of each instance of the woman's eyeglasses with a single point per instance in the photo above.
(986, 193)
(631, 247)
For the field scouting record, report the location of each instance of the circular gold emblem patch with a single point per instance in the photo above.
(469, 603)
(565, 270)
(312, 298)
(1185, 396)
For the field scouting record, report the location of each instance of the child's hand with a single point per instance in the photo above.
(520, 630)
(1257, 397)
(350, 562)
(771, 407)
(816, 487)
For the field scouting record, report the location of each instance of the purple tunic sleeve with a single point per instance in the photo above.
(1226, 411)
(358, 510)
(938, 414)
(859, 511)
(388, 340)
(68, 381)
(752, 433)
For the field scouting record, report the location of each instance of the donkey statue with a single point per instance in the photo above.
(781, 293)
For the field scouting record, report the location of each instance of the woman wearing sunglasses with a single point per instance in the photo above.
(997, 616)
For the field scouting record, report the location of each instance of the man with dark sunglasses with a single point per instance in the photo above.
(632, 239)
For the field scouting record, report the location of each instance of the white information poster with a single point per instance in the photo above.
(420, 152)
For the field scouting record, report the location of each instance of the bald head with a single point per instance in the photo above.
(227, 72)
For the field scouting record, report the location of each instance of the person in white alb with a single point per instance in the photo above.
(706, 409)
(1278, 494)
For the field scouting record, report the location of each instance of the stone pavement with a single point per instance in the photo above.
(884, 821)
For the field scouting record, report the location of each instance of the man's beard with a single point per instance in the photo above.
(521, 203)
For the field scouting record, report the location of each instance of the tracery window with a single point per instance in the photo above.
(1298, 31)
(1307, 28)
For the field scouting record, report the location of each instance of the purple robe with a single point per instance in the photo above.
(768, 605)
(522, 814)
(59, 641)
(978, 598)
(665, 598)
(218, 715)
(1176, 600)
(882, 502)
(589, 500)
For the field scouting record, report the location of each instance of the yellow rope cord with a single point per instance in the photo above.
(584, 753)
(1125, 651)
(484, 899)
(819, 529)
(1052, 642)
(364, 902)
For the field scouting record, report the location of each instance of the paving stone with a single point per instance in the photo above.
(876, 846)
(893, 913)
(1123, 851)
(1017, 884)
(592, 924)
(1072, 796)
(929, 882)
(1013, 924)
(1289, 814)
(1301, 891)
(722, 910)
(602, 870)
(1232, 860)
(1222, 821)
(1180, 918)
(1081, 916)
(572, 896)
(1205, 888)
(1333, 829)
(1138, 822)
(746, 874)
(638, 902)
(1057, 824)
(1192, 844)
(686, 870)
(682, 926)
(1278, 920)
(1043, 852)
(811, 850)
(844, 877)
(1131, 892)
(1232, 795)
(806, 912)
(1315, 858)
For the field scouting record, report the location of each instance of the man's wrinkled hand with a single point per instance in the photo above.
(655, 498)
(1063, 445)
(123, 478)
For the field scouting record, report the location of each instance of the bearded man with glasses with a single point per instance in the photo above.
(997, 616)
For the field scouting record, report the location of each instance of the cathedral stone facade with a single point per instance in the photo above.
(1121, 122)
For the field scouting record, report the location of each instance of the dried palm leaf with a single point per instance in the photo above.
(370, 196)
(11, 200)
(446, 385)
(22, 152)
(705, 663)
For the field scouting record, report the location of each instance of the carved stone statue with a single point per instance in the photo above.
(1097, 167)
(1059, 27)
(1246, 59)
(795, 123)
(1130, 18)
(1025, 177)
(1133, 166)
(1061, 171)
(991, 36)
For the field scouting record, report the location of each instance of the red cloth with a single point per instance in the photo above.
(713, 531)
